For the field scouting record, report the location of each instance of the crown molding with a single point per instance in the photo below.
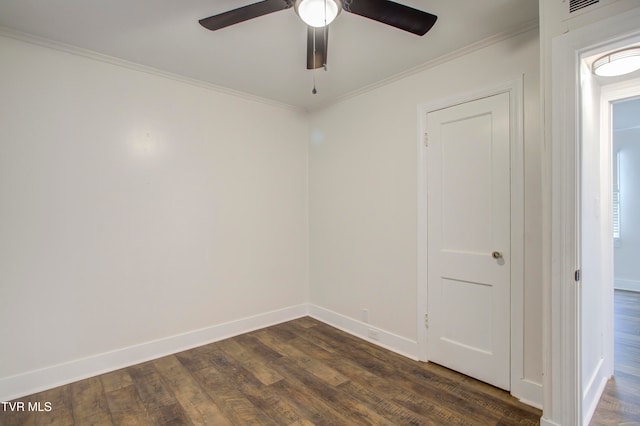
(473, 47)
(90, 54)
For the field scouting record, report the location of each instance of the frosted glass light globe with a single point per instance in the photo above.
(318, 13)
(618, 63)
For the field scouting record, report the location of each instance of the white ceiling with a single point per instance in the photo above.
(265, 56)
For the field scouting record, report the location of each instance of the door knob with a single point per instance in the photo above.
(496, 255)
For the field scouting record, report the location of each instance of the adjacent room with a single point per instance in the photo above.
(211, 214)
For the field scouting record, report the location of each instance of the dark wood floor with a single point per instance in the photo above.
(620, 403)
(301, 372)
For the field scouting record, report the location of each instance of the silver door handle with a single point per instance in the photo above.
(496, 255)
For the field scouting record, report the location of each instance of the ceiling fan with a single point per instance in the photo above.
(318, 14)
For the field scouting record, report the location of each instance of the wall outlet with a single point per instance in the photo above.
(365, 315)
(374, 334)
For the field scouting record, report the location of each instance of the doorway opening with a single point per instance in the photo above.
(607, 113)
(619, 402)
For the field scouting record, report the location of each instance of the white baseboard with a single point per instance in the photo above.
(31, 382)
(593, 392)
(629, 285)
(57, 375)
(393, 342)
(546, 422)
(39, 380)
(528, 392)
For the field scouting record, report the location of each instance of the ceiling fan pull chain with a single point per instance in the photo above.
(313, 71)
(314, 91)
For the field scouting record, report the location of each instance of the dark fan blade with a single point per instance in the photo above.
(397, 15)
(244, 13)
(317, 42)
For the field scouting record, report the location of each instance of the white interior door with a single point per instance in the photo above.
(468, 254)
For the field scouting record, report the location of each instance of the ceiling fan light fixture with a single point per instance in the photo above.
(318, 13)
(618, 63)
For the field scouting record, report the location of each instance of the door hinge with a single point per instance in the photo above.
(426, 139)
(577, 275)
(426, 320)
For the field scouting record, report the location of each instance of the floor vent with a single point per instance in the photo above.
(575, 5)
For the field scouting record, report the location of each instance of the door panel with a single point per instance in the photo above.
(469, 219)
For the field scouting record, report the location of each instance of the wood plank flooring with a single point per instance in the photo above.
(620, 402)
(301, 372)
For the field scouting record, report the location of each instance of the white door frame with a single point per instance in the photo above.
(520, 387)
(561, 295)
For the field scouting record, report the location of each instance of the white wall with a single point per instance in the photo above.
(363, 186)
(135, 207)
(627, 269)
